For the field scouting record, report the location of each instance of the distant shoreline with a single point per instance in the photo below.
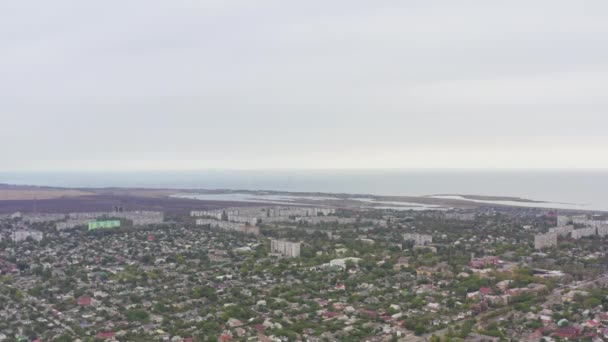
(494, 198)
(59, 199)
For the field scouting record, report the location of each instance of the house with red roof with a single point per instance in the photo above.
(568, 332)
(338, 306)
(592, 323)
(105, 335)
(484, 262)
(84, 301)
(330, 314)
(514, 292)
(485, 291)
(224, 338)
(535, 336)
(386, 318)
(368, 313)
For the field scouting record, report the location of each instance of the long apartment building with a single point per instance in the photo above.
(23, 234)
(229, 226)
(460, 216)
(562, 230)
(593, 225)
(314, 220)
(216, 214)
(582, 220)
(42, 217)
(72, 223)
(255, 215)
(583, 232)
(547, 240)
(138, 218)
(589, 221)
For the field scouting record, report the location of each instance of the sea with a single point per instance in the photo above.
(574, 189)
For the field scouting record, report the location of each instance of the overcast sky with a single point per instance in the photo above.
(150, 84)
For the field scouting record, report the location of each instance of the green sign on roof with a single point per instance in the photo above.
(104, 224)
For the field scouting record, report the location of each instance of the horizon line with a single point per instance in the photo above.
(307, 169)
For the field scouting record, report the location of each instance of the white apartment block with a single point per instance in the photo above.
(22, 235)
(229, 226)
(285, 248)
(242, 219)
(545, 240)
(562, 231)
(287, 212)
(583, 232)
(375, 222)
(138, 218)
(255, 215)
(589, 222)
(563, 220)
(72, 223)
(326, 219)
(41, 217)
(460, 216)
(145, 218)
(593, 226)
(91, 215)
(419, 239)
(216, 214)
(602, 230)
(218, 224)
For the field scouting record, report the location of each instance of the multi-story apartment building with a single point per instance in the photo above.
(23, 234)
(229, 226)
(562, 230)
(419, 239)
(285, 248)
(583, 232)
(545, 240)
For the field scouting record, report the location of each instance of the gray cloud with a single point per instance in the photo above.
(242, 84)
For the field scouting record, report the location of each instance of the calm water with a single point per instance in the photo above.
(586, 188)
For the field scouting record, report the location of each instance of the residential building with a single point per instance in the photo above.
(545, 240)
(23, 234)
(583, 232)
(285, 248)
(419, 239)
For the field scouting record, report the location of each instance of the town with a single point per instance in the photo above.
(278, 273)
